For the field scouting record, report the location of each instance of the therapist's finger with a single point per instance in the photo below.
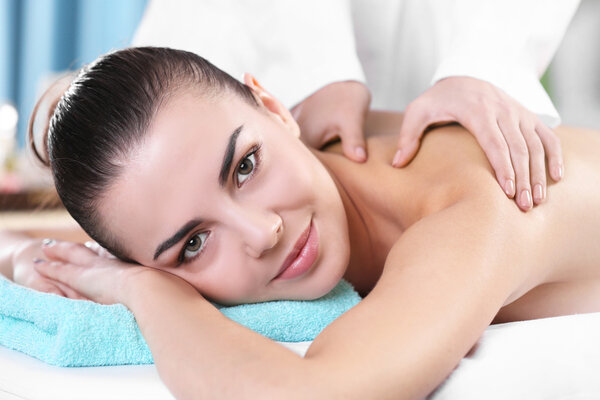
(413, 125)
(553, 150)
(519, 154)
(537, 162)
(492, 142)
(353, 142)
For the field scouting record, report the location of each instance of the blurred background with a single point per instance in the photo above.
(574, 74)
(41, 38)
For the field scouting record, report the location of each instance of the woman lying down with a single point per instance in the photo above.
(201, 187)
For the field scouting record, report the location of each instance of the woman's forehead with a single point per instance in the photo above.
(187, 113)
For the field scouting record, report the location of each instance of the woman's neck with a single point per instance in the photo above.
(380, 201)
(368, 237)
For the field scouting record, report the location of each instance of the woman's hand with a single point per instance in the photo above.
(86, 273)
(515, 141)
(24, 259)
(337, 110)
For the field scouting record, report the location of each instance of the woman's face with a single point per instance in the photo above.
(225, 196)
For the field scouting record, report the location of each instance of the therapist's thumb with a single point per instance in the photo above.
(409, 140)
(353, 143)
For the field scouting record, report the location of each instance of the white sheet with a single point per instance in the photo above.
(24, 377)
(553, 358)
(550, 358)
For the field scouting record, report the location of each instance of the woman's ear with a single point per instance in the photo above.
(272, 105)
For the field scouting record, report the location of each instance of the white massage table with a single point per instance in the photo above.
(554, 358)
(23, 377)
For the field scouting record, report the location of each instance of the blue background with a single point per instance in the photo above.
(41, 37)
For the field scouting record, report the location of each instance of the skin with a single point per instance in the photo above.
(335, 111)
(254, 220)
(437, 245)
(517, 144)
(514, 139)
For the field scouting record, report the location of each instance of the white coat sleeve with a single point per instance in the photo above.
(508, 43)
(293, 48)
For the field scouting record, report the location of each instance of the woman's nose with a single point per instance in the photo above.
(261, 232)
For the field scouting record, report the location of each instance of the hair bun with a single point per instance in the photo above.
(43, 111)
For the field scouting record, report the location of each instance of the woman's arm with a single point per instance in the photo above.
(201, 354)
(9, 242)
(444, 281)
(198, 351)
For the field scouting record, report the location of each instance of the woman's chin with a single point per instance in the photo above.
(325, 284)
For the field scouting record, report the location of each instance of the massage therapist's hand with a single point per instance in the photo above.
(515, 141)
(105, 280)
(337, 110)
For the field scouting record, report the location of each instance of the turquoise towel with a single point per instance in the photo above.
(77, 333)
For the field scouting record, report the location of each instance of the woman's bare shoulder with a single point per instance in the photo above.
(450, 166)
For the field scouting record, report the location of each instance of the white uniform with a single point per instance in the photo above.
(399, 48)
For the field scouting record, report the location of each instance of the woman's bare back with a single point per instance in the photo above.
(556, 240)
(569, 228)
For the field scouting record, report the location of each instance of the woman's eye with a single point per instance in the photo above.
(245, 168)
(194, 246)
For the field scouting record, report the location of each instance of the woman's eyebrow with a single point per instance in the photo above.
(225, 167)
(228, 157)
(173, 240)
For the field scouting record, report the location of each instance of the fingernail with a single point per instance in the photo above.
(38, 260)
(360, 153)
(509, 187)
(538, 193)
(525, 199)
(559, 171)
(48, 242)
(397, 159)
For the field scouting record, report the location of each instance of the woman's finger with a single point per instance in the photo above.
(96, 248)
(537, 162)
(101, 281)
(63, 276)
(47, 287)
(50, 281)
(57, 271)
(69, 252)
(551, 144)
(69, 292)
(519, 154)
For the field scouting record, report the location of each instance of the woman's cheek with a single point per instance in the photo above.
(228, 289)
(223, 277)
(289, 186)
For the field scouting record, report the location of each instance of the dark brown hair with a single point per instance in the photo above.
(103, 116)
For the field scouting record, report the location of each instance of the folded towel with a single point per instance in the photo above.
(77, 333)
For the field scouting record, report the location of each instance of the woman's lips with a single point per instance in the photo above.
(302, 256)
